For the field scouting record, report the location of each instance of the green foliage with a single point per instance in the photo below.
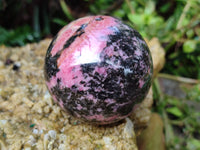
(189, 46)
(145, 19)
(60, 21)
(66, 10)
(181, 118)
(193, 93)
(19, 36)
(175, 111)
(100, 5)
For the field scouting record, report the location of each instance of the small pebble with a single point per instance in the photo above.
(16, 66)
(9, 62)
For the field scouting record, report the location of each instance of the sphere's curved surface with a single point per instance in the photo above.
(97, 68)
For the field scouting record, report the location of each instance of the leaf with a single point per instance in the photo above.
(66, 10)
(175, 111)
(189, 46)
(193, 144)
(150, 7)
(136, 18)
(119, 13)
(190, 33)
(165, 7)
(60, 21)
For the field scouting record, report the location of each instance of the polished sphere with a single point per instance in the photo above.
(97, 69)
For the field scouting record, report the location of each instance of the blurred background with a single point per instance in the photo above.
(176, 23)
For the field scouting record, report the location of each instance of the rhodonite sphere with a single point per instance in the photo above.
(97, 69)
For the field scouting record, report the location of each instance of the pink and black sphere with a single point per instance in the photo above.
(97, 69)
